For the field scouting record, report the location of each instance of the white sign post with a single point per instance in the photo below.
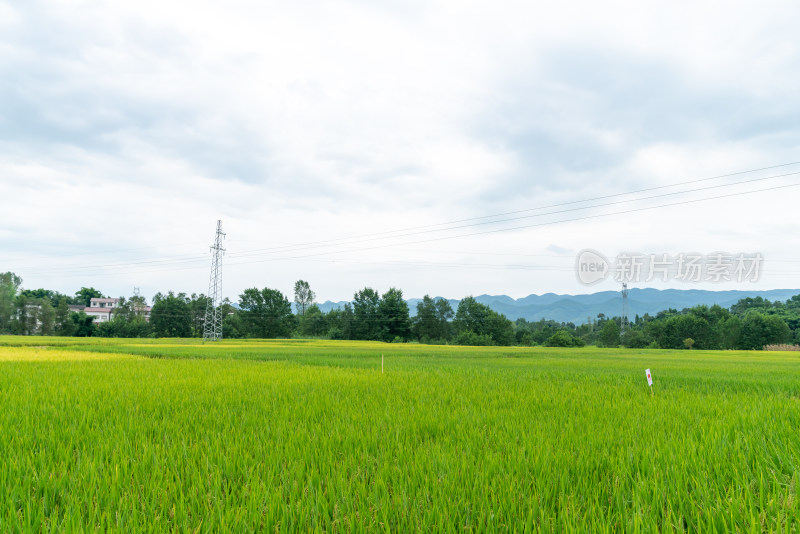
(649, 380)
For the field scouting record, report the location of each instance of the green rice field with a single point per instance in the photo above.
(293, 435)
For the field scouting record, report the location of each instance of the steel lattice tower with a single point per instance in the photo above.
(212, 326)
(624, 320)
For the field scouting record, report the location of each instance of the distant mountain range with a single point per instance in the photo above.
(579, 309)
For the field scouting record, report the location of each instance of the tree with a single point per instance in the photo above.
(432, 322)
(500, 329)
(313, 323)
(63, 323)
(424, 324)
(86, 294)
(562, 338)
(232, 324)
(83, 325)
(9, 284)
(609, 335)
(730, 332)
(266, 313)
(47, 318)
(24, 321)
(472, 316)
(340, 322)
(636, 338)
(750, 303)
(444, 316)
(679, 327)
(715, 317)
(688, 343)
(170, 316)
(303, 296)
(197, 307)
(54, 297)
(759, 329)
(393, 312)
(367, 322)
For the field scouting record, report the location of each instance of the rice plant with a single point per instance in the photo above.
(310, 436)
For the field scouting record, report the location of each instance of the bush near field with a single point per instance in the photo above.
(782, 347)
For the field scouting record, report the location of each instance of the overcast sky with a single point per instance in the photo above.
(321, 132)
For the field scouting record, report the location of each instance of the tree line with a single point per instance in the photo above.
(750, 324)
(267, 313)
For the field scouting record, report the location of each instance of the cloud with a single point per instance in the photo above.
(139, 124)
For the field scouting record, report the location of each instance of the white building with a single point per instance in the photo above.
(101, 309)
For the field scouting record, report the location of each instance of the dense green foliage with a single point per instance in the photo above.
(476, 322)
(432, 321)
(368, 324)
(750, 324)
(265, 313)
(310, 436)
(170, 316)
(745, 326)
(9, 285)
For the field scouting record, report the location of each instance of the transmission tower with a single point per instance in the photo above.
(212, 326)
(138, 307)
(624, 321)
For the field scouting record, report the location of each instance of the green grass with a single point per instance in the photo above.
(297, 435)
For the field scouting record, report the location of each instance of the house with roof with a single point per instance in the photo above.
(103, 308)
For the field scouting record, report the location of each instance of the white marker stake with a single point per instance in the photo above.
(381, 363)
(649, 380)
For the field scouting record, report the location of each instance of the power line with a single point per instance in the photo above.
(406, 264)
(603, 197)
(355, 239)
(189, 259)
(290, 249)
(587, 217)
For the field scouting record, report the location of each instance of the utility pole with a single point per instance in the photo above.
(212, 326)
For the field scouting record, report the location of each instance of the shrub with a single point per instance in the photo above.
(468, 337)
(562, 338)
(335, 333)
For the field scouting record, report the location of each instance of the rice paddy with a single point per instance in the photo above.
(294, 435)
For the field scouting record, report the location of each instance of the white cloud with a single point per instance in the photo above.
(138, 124)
